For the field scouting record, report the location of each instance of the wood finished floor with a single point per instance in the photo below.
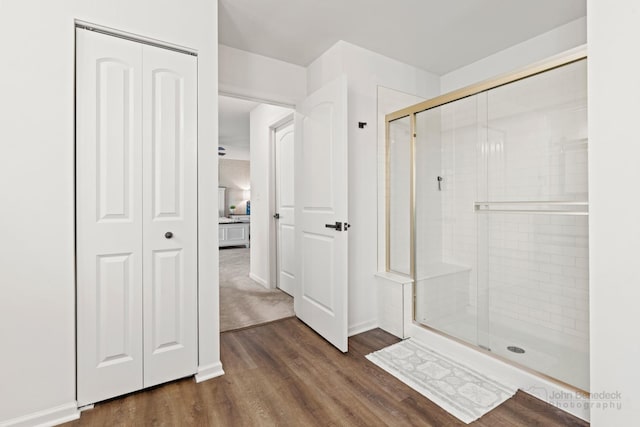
(283, 374)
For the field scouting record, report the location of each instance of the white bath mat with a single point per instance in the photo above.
(460, 390)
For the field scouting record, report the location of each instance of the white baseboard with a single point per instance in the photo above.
(362, 327)
(209, 371)
(528, 382)
(259, 280)
(48, 417)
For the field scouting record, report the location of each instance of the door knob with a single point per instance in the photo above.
(168, 235)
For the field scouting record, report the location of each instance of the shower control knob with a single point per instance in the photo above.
(168, 235)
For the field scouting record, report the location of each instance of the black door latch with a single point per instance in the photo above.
(337, 226)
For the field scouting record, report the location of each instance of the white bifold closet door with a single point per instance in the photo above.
(136, 215)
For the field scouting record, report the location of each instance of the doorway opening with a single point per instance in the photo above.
(248, 225)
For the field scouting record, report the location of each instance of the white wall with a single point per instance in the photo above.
(365, 71)
(535, 49)
(326, 68)
(236, 152)
(261, 119)
(253, 76)
(248, 75)
(614, 175)
(37, 307)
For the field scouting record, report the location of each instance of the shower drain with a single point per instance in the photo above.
(515, 349)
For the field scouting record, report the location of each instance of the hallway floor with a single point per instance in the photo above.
(244, 302)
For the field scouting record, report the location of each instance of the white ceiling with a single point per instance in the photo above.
(233, 119)
(435, 35)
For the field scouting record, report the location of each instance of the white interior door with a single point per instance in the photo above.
(285, 208)
(136, 174)
(108, 216)
(169, 100)
(321, 202)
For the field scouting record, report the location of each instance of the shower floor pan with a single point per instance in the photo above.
(569, 364)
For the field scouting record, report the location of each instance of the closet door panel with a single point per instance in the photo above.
(108, 216)
(167, 300)
(170, 221)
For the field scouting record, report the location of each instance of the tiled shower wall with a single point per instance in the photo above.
(536, 150)
(460, 141)
(538, 275)
(526, 141)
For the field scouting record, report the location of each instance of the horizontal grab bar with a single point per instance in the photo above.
(531, 211)
(485, 207)
(535, 202)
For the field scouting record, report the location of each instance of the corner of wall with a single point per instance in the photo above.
(259, 77)
(366, 71)
(362, 327)
(208, 372)
(553, 42)
(326, 67)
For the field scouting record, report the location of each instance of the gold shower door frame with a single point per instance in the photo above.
(565, 58)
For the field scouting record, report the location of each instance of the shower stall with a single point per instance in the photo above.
(487, 210)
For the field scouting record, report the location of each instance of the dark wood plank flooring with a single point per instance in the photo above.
(283, 374)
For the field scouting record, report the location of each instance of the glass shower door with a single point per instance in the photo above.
(501, 221)
(445, 227)
(399, 196)
(533, 223)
